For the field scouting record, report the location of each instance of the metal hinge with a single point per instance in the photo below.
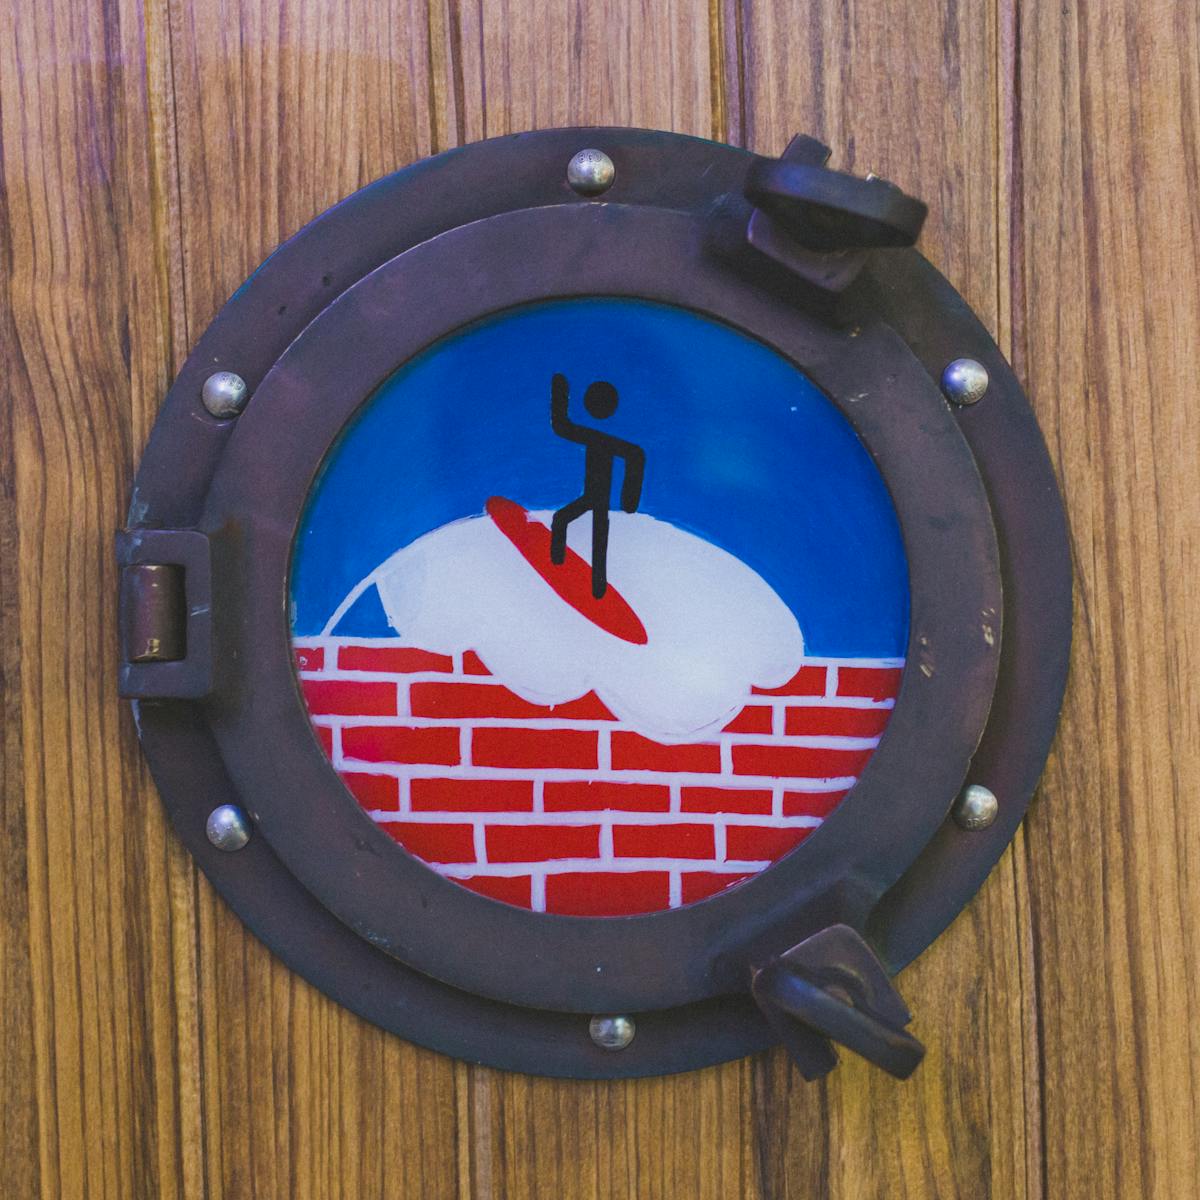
(165, 612)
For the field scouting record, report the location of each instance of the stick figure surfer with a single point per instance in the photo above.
(600, 400)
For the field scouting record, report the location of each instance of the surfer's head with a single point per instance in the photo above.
(600, 399)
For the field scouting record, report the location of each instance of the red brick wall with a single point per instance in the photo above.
(564, 809)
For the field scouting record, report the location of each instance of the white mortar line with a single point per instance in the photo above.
(719, 840)
(539, 796)
(367, 643)
(329, 672)
(537, 891)
(707, 779)
(479, 839)
(851, 661)
(603, 817)
(836, 702)
(831, 679)
(316, 640)
(675, 889)
(604, 748)
(622, 866)
(552, 724)
(546, 723)
(345, 675)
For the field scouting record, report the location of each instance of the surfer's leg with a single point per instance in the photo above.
(599, 550)
(558, 527)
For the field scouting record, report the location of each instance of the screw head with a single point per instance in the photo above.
(228, 827)
(591, 172)
(224, 394)
(612, 1033)
(965, 381)
(976, 807)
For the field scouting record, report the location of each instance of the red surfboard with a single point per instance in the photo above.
(571, 580)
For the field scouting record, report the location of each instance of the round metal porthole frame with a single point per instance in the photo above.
(314, 332)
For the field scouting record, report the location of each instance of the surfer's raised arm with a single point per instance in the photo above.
(560, 421)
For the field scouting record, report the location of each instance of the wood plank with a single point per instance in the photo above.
(19, 1117)
(655, 1138)
(914, 94)
(1108, 334)
(284, 108)
(99, 1022)
(281, 109)
(538, 64)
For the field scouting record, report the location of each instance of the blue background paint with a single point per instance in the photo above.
(741, 449)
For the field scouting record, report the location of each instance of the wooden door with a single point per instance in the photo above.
(154, 151)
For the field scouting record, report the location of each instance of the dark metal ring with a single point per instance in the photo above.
(660, 172)
(577, 963)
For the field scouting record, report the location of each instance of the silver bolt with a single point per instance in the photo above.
(612, 1033)
(964, 381)
(976, 807)
(591, 172)
(224, 394)
(228, 827)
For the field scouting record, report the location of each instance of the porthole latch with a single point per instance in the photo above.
(822, 225)
(832, 988)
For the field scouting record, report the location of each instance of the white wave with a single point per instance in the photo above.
(714, 627)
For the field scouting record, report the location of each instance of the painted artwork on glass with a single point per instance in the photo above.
(599, 607)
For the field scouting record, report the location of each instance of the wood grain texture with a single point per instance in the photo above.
(1107, 331)
(152, 153)
(279, 110)
(913, 95)
(99, 1031)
